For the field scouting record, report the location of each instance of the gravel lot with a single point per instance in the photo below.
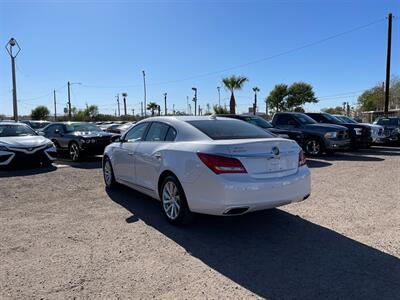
(64, 236)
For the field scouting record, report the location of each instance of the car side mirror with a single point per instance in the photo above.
(116, 139)
(41, 133)
(57, 131)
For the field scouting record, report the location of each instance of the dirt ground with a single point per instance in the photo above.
(64, 236)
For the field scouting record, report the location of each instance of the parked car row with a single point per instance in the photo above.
(219, 165)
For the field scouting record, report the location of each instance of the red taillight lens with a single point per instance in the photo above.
(302, 158)
(222, 164)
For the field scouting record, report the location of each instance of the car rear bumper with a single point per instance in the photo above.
(227, 195)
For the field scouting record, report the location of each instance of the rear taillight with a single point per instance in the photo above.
(302, 158)
(222, 164)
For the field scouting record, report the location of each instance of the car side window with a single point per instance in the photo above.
(136, 133)
(51, 130)
(283, 120)
(171, 135)
(157, 132)
(318, 118)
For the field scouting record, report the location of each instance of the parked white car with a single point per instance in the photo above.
(210, 165)
(20, 144)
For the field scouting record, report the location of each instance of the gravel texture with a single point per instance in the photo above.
(64, 236)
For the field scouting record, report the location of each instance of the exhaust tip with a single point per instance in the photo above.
(236, 211)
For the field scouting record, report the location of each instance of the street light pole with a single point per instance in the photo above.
(195, 100)
(165, 103)
(219, 95)
(255, 90)
(144, 87)
(124, 95)
(55, 106)
(9, 46)
(119, 110)
(69, 99)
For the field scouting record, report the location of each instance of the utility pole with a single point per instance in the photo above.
(165, 103)
(144, 87)
(388, 58)
(55, 105)
(69, 101)
(173, 109)
(9, 46)
(255, 90)
(219, 95)
(119, 111)
(190, 109)
(141, 109)
(187, 105)
(124, 95)
(195, 100)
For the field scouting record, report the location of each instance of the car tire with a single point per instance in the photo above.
(313, 147)
(108, 174)
(173, 202)
(74, 151)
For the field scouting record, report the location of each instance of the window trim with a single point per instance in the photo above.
(163, 141)
(123, 138)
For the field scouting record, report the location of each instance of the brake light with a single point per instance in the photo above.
(222, 164)
(302, 158)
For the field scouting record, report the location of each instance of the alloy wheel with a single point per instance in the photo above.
(74, 152)
(107, 173)
(313, 147)
(171, 200)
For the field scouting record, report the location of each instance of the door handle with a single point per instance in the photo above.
(157, 155)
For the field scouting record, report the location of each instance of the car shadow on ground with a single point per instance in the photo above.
(26, 171)
(88, 162)
(312, 163)
(275, 254)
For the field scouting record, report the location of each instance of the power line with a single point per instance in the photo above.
(43, 96)
(290, 51)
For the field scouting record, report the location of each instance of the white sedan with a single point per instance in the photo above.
(20, 144)
(210, 165)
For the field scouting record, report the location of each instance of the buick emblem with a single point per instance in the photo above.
(275, 150)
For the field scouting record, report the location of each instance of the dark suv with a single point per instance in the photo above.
(78, 138)
(360, 135)
(319, 138)
(292, 134)
(391, 127)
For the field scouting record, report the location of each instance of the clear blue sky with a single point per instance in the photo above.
(109, 43)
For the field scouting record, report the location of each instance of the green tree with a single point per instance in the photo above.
(40, 112)
(338, 110)
(372, 99)
(276, 99)
(220, 110)
(233, 83)
(152, 106)
(300, 93)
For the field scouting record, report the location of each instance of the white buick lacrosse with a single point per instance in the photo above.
(210, 165)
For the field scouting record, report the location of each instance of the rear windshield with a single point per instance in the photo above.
(229, 129)
(260, 122)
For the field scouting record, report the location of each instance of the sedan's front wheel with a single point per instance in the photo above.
(173, 201)
(108, 174)
(74, 152)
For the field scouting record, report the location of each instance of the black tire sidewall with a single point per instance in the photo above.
(184, 211)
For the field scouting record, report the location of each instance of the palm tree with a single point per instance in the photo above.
(232, 84)
(152, 106)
